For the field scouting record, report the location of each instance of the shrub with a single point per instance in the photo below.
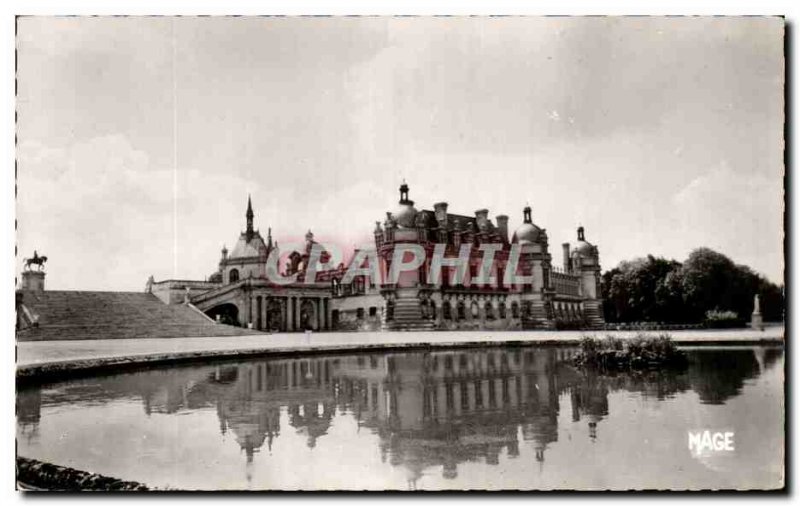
(639, 352)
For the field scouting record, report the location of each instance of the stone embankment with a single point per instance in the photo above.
(33, 475)
(55, 359)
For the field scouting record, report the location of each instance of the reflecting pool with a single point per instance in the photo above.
(492, 418)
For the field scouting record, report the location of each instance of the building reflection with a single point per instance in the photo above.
(431, 410)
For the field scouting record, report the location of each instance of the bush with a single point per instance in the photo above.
(639, 352)
(716, 319)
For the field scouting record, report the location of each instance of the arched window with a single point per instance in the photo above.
(489, 310)
(501, 310)
(233, 276)
(514, 310)
(433, 310)
(461, 310)
(446, 310)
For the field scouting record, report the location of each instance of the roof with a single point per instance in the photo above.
(255, 247)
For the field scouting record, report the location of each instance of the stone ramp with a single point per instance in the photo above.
(74, 315)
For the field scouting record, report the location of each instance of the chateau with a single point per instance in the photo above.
(471, 274)
(549, 298)
(240, 291)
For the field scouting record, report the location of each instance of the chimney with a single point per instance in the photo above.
(482, 218)
(440, 209)
(502, 226)
(565, 249)
(33, 281)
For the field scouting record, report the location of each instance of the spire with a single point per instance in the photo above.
(580, 233)
(526, 214)
(269, 238)
(249, 216)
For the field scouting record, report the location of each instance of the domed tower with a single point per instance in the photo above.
(405, 214)
(534, 262)
(585, 259)
(527, 233)
(249, 255)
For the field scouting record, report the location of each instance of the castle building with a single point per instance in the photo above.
(468, 293)
(240, 292)
(550, 298)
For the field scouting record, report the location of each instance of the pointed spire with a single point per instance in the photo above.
(249, 216)
(269, 238)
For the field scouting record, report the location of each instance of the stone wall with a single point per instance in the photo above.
(350, 321)
(36, 475)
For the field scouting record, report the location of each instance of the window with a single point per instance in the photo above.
(233, 276)
(514, 310)
(446, 310)
(360, 313)
(501, 310)
(373, 311)
(462, 311)
(489, 311)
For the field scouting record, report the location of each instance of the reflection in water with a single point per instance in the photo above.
(429, 410)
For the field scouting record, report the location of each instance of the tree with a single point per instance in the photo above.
(657, 289)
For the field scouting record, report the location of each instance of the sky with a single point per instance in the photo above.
(140, 139)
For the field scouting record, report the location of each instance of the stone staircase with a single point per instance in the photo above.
(65, 315)
(593, 312)
(407, 316)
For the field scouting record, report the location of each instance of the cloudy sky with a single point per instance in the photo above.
(139, 139)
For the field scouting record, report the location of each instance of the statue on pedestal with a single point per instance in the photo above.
(756, 320)
(36, 260)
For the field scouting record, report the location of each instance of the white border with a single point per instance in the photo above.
(9, 8)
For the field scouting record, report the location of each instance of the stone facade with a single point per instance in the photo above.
(240, 293)
(553, 297)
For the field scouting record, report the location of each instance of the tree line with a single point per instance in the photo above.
(655, 289)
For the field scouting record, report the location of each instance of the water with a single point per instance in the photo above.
(495, 418)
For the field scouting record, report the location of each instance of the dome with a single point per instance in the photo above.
(526, 233)
(405, 215)
(248, 249)
(584, 248)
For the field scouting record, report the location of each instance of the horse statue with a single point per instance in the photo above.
(36, 260)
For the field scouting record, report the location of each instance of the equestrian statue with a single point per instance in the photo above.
(36, 260)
